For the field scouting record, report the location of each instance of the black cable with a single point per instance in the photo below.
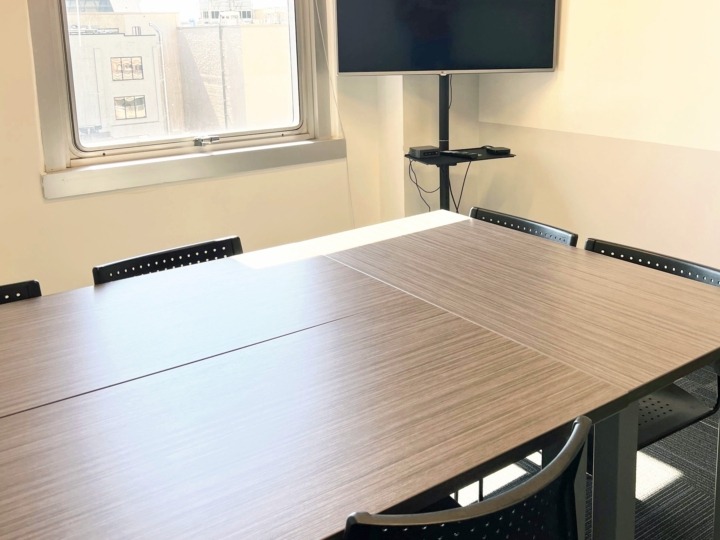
(415, 181)
(411, 172)
(457, 204)
(463, 186)
(450, 86)
(413, 178)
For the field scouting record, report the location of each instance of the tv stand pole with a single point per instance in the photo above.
(444, 138)
(444, 161)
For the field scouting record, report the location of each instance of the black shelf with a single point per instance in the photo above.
(454, 160)
(443, 163)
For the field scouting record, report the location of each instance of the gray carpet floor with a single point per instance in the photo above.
(681, 508)
(676, 476)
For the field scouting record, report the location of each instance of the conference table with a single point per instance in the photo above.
(271, 394)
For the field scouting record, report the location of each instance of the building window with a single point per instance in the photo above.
(90, 5)
(228, 81)
(129, 107)
(194, 79)
(220, 79)
(127, 68)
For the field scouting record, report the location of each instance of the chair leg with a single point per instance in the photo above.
(456, 495)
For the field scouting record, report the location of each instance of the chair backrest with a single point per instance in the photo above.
(165, 260)
(664, 263)
(19, 291)
(544, 507)
(561, 236)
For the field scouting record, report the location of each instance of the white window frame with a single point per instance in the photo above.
(71, 173)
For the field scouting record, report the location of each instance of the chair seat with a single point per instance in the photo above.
(666, 411)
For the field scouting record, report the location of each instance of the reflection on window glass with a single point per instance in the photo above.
(197, 67)
(137, 70)
(129, 107)
(126, 69)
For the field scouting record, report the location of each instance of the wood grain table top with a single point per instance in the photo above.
(285, 438)
(630, 326)
(255, 398)
(347, 239)
(63, 345)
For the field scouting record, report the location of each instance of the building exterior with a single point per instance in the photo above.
(141, 75)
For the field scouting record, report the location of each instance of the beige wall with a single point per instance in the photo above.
(622, 141)
(58, 242)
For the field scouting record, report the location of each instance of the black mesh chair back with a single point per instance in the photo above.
(165, 260)
(561, 236)
(672, 408)
(19, 291)
(545, 507)
(656, 261)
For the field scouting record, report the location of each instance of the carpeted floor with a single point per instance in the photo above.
(675, 481)
(676, 476)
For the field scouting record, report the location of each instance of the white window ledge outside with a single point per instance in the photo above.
(222, 163)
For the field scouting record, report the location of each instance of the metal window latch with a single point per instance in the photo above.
(204, 141)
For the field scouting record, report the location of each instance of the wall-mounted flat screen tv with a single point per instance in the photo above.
(445, 36)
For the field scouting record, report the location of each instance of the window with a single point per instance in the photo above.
(95, 5)
(129, 107)
(221, 78)
(126, 69)
(204, 77)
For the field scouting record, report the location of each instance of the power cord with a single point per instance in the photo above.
(457, 204)
(413, 178)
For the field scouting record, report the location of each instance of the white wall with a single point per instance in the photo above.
(643, 70)
(58, 242)
(622, 141)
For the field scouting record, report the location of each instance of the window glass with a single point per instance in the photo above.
(188, 68)
(129, 107)
(126, 69)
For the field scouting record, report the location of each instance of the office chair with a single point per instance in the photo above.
(528, 226)
(165, 260)
(549, 505)
(669, 409)
(19, 291)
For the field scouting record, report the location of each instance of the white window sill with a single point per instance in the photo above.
(132, 174)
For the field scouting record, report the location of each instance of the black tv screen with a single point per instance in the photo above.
(445, 36)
